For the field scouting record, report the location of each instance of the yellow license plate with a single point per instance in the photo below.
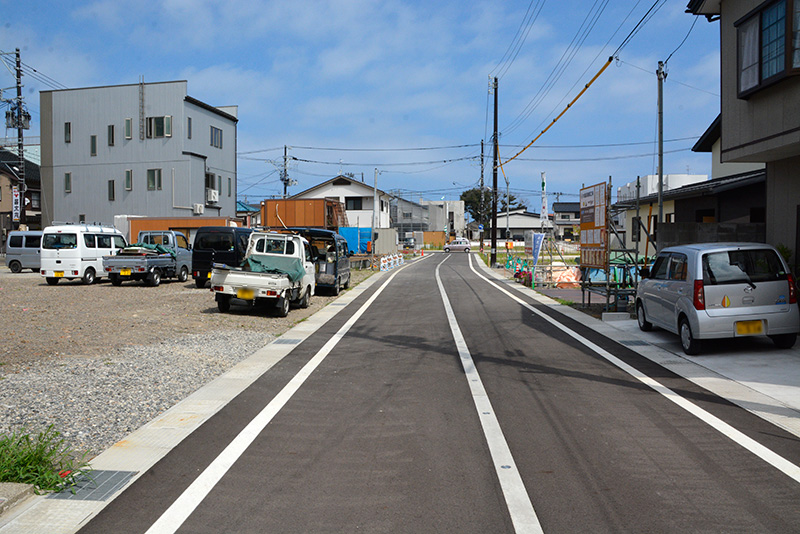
(749, 328)
(125, 272)
(58, 274)
(245, 294)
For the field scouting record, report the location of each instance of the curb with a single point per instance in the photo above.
(12, 493)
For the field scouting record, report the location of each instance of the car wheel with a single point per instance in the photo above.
(115, 279)
(154, 279)
(51, 281)
(447, 250)
(88, 277)
(466, 250)
(200, 283)
(347, 284)
(690, 345)
(183, 275)
(224, 303)
(644, 324)
(336, 287)
(15, 266)
(784, 341)
(282, 307)
(305, 301)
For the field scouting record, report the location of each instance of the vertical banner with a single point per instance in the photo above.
(16, 203)
(594, 234)
(533, 244)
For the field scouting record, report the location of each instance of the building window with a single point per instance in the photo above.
(229, 185)
(110, 135)
(216, 137)
(128, 179)
(128, 128)
(159, 127)
(188, 127)
(762, 41)
(67, 132)
(93, 143)
(68, 182)
(153, 179)
(36, 200)
(210, 180)
(111, 194)
(352, 203)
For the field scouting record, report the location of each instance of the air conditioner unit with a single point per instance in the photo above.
(198, 209)
(212, 196)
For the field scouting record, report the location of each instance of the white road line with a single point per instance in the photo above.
(172, 519)
(518, 502)
(772, 458)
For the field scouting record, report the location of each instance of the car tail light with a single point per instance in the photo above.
(699, 298)
(218, 288)
(792, 289)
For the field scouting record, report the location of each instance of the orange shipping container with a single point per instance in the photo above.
(306, 213)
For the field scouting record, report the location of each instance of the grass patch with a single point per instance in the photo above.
(44, 460)
(565, 302)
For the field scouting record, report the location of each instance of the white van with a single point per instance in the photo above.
(22, 250)
(76, 251)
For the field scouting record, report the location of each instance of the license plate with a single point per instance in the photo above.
(125, 272)
(749, 328)
(58, 274)
(209, 275)
(245, 294)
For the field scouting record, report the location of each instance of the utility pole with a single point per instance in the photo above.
(374, 215)
(661, 77)
(480, 206)
(20, 144)
(285, 173)
(493, 257)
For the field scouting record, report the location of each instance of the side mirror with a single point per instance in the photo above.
(644, 272)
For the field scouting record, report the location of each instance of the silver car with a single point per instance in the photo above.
(457, 245)
(719, 290)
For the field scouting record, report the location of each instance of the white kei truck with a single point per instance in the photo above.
(278, 269)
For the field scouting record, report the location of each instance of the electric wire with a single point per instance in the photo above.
(588, 24)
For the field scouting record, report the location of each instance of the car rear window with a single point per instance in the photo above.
(742, 266)
(214, 241)
(59, 241)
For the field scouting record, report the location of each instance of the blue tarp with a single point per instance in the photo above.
(357, 238)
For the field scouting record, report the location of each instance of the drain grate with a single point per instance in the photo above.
(281, 341)
(96, 486)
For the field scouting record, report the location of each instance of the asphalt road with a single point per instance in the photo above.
(403, 417)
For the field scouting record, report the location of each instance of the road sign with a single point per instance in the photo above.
(480, 227)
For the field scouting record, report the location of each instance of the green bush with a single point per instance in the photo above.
(44, 461)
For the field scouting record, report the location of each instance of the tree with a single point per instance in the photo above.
(513, 203)
(472, 203)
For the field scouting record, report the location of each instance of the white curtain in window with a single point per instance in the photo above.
(748, 54)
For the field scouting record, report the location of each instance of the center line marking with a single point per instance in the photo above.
(518, 502)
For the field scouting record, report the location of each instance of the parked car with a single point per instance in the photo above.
(457, 245)
(719, 290)
(22, 250)
(155, 255)
(217, 244)
(331, 257)
(409, 243)
(76, 251)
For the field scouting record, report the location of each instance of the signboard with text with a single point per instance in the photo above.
(16, 203)
(594, 226)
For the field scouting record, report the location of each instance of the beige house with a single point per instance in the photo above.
(760, 85)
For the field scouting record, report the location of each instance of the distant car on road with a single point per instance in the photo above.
(457, 245)
(719, 290)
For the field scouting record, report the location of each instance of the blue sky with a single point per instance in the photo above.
(356, 85)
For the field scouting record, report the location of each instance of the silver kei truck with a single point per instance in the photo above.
(278, 269)
(155, 255)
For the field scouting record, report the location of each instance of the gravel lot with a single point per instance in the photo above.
(100, 361)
